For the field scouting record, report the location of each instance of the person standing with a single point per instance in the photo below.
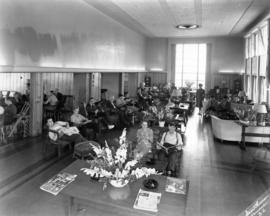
(200, 94)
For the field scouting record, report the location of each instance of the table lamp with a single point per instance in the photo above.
(261, 111)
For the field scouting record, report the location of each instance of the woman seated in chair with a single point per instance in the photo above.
(83, 123)
(65, 132)
(144, 140)
(170, 143)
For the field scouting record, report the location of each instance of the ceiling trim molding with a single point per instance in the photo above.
(108, 7)
(241, 17)
(20, 69)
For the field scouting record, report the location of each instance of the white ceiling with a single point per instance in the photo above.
(158, 18)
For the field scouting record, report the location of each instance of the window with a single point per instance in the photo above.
(256, 64)
(190, 65)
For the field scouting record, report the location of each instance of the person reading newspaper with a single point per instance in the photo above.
(170, 143)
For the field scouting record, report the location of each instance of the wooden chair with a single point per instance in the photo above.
(20, 118)
(58, 143)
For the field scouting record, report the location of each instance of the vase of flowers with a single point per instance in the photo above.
(114, 166)
(119, 182)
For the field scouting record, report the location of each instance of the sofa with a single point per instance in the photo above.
(229, 130)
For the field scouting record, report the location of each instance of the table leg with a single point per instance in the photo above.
(243, 143)
(70, 205)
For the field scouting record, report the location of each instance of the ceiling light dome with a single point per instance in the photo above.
(187, 26)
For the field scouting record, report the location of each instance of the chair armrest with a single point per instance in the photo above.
(53, 131)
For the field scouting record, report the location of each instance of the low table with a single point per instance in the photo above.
(88, 193)
(258, 131)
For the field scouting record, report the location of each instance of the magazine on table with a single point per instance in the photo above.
(147, 200)
(176, 185)
(58, 182)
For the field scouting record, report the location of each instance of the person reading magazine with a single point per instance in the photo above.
(170, 143)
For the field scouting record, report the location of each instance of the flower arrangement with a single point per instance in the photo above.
(114, 166)
(189, 84)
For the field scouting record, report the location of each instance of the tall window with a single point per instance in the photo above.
(190, 65)
(256, 64)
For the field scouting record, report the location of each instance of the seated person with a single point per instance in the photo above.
(60, 97)
(96, 114)
(2, 99)
(211, 104)
(92, 109)
(82, 122)
(144, 140)
(123, 110)
(114, 115)
(225, 105)
(142, 97)
(128, 100)
(83, 110)
(65, 132)
(121, 103)
(169, 104)
(110, 111)
(17, 101)
(2, 132)
(51, 102)
(10, 114)
(171, 141)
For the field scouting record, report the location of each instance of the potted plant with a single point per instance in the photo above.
(161, 120)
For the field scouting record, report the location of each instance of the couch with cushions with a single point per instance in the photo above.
(229, 130)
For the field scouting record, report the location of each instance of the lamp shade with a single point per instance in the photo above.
(260, 108)
(241, 94)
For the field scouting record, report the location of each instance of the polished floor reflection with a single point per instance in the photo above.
(221, 179)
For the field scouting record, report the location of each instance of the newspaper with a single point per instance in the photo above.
(58, 183)
(147, 201)
(176, 185)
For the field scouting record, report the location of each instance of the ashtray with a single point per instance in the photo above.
(95, 177)
(150, 183)
(151, 161)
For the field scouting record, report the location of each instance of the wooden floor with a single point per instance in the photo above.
(221, 180)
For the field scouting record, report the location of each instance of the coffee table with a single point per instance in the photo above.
(86, 193)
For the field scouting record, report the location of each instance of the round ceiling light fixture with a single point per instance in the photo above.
(187, 26)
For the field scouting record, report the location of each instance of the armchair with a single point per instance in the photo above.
(58, 143)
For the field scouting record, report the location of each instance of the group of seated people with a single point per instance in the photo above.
(147, 95)
(113, 113)
(219, 100)
(53, 100)
(167, 147)
(10, 107)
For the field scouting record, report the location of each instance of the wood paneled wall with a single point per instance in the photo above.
(111, 82)
(14, 81)
(132, 84)
(226, 79)
(158, 77)
(62, 81)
